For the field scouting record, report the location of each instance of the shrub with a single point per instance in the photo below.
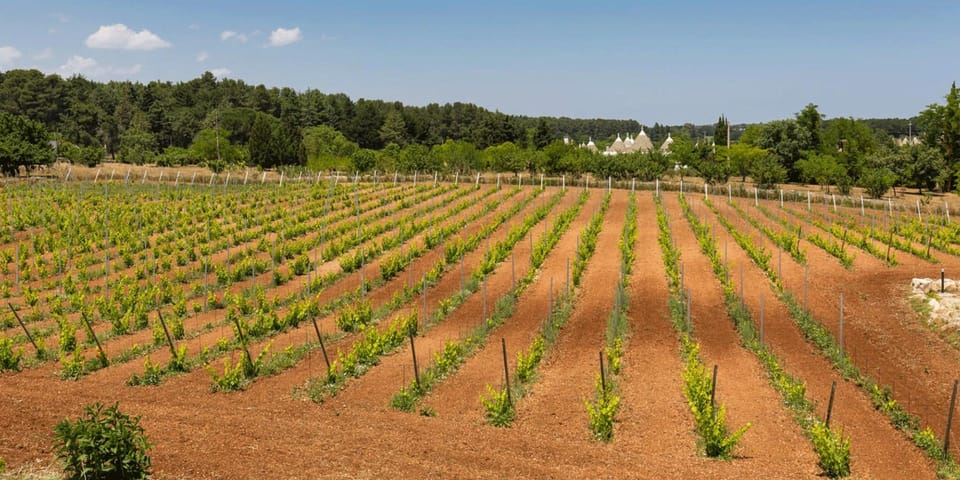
(500, 411)
(527, 363)
(602, 412)
(833, 450)
(710, 419)
(104, 444)
(354, 317)
(9, 356)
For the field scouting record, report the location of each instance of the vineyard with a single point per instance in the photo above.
(340, 326)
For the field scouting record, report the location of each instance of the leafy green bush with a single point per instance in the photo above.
(833, 450)
(500, 411)
(710, 419)
(9, 356)
(152, 374)
(104, 444)
(603, 412)
(354, 317)
(527, 363)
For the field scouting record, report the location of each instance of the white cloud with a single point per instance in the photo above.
(283, 36)
(231, 35)
(220, 72)
(119, 37)
(77, 65)
(202, 56)
(9, 56)
(45, 54)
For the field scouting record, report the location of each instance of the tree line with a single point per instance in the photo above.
(222, 123)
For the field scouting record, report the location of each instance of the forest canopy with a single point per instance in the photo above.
(224, 123)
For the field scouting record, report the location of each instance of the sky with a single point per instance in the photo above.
(664, 61)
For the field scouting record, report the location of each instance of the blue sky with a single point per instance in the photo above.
(663, 61)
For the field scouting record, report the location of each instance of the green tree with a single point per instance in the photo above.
(327, 148)
(541, 135)
(137, 144)
(414, 158)
(456, 156)
(851, 141)
(877, 181)
(742, 157)
(394, 129)
(506, 157)
(363, 159)
(786, 141)
(81, 155)
(811, 121)
(213, 149)
(261, 141)
(821, 169)
(720, 131)
(767, 172)
(923, 166)
(941, 127)
(23, 143)
(714, 169)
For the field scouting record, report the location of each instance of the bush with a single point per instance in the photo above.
(833, 450)
(9, 356)
(602, 413)
(104, 444)
(878, 181)
(500, 411)
(710, 419)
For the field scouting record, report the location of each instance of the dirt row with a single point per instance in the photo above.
(266, 432)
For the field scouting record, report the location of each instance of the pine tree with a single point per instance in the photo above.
(720, 132)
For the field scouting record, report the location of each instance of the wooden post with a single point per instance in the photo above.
(416, 368)
(833, 389)
(24, 327)
(841, 324)
(103, 355)
(243, 341)
(484, 288)
(424, 288)
(550, 302)
(806, 269)
(780, 262)
(761, 319)
(16, 265)
(506, 369)
(713, 389)
(603, 376)
(946, 436)
(323, 348)
(741, 286)
(166, 331)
